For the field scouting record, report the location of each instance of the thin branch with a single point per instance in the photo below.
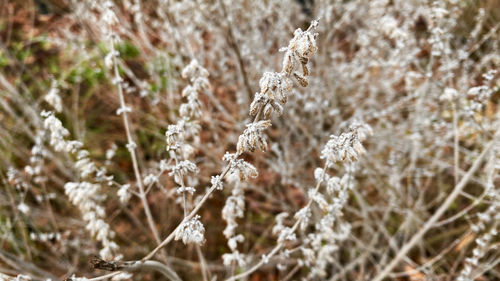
(131, 148)
(131, 266)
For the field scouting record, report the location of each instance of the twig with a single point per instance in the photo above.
(131, 148)
(98, 263)
(234, 46)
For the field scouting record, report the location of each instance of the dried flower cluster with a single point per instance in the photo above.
(191, 231)
(85, 195)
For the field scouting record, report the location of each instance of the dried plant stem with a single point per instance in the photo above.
(429, 224)
(292, 272)
(104, 277)
(203, 263)
(183, 185)
(131, 266)
(455, 141)
(131, 148)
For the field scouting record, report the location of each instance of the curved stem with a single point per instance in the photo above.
(131, 147)
(131, 266)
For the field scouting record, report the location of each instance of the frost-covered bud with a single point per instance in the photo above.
(188, 189)
(150, 179)
(191, 109)
(303, 81)
(304, 42)
(318, 198)
(362, 130)
(131, 146)
(265, 259)
(274, 90)
(108, 59)
(280, 218)
(286, 234)
(233, 241)
(320, 175)
(333, 185)
(288, 62)
(243, 169)
(110, 153)
(194, 69)
(300, 49)
(85, 167)
(191, 231)
(164, 165)
(173, 134)
(216, 182)
(276, 86)
(109, 16)
(124, 109)
(182, 169)
(347, 147)
(234, 257)
(124, 193)
(338, 148)
(253, 137)
(303, 215)
(201, 84)
(57, 132)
